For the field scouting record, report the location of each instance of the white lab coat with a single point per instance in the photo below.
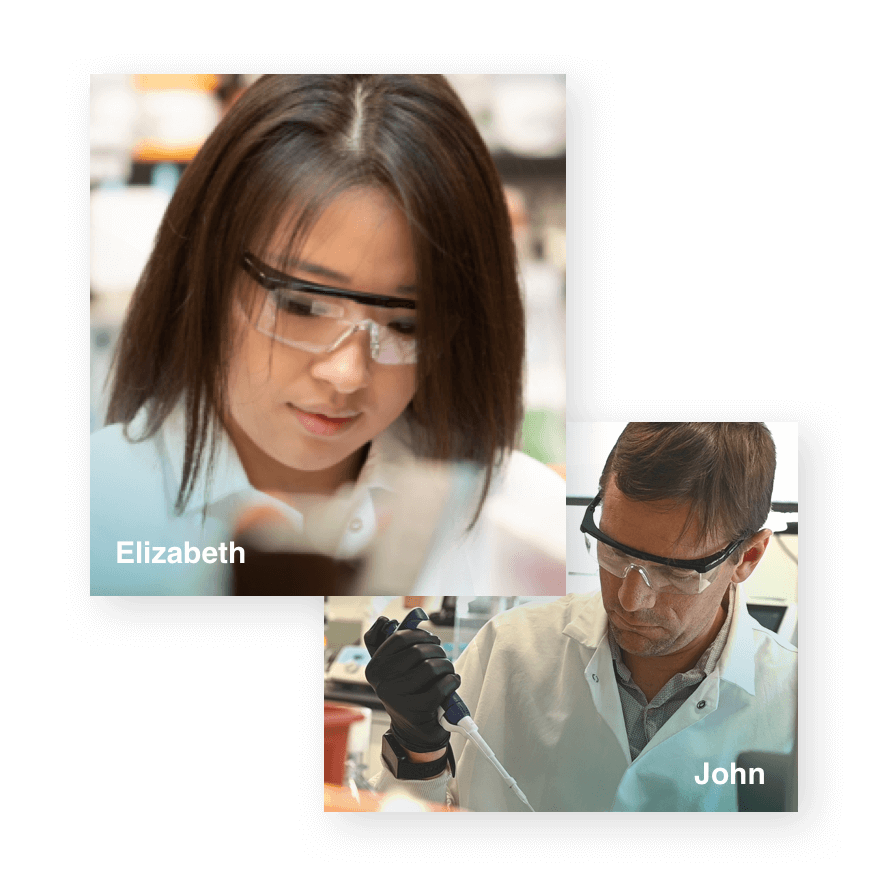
(134, 488)
(540, 684)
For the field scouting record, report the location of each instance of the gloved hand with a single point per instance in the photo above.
(412, 676)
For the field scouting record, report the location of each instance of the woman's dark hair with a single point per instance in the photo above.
(726, 471)
(288, 147)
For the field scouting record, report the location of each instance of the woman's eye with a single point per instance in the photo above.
(405, 327)
(303, 306)
(298, 305)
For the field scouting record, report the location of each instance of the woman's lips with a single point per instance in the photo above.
(322, 425)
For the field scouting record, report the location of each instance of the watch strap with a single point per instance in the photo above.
(396, 758)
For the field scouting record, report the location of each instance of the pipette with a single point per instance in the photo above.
(455, 716)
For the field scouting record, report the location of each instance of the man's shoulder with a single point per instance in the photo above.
(773, 654)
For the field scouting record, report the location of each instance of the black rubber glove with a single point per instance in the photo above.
(412, 676)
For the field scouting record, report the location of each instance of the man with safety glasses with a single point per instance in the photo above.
(643, 696)
(676, 527)
(666, 602)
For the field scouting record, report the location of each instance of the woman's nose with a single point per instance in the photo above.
(347, 366)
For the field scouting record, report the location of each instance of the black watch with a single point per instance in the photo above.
(396, 758)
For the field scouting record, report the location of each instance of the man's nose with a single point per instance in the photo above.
(634, 593)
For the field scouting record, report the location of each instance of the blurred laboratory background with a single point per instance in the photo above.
(772, 588)
(145, 129)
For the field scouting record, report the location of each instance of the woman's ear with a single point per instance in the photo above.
(752, 555)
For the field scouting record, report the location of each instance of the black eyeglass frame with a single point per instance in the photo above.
(271, 279)
(702, 565)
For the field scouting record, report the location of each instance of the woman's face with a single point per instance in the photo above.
(299, 420)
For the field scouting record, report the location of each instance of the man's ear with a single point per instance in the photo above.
(752, 555)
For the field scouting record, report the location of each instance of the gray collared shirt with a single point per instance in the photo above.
(643, 718)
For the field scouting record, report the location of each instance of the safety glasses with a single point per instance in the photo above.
(661, 574)
(314, 318)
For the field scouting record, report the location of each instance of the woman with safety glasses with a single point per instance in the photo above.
(333, 289)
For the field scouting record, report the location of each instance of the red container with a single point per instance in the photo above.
(337, 722)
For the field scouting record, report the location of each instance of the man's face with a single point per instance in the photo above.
(646, 622)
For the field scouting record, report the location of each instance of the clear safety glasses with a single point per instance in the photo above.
(661, 574)
(314, 318)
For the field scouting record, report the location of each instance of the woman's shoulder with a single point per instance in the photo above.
(117, 451)
(127, 472)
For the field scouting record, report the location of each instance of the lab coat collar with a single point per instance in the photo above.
(589, 627)
(736, 664)
(590, 622)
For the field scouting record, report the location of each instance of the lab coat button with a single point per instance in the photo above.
(700, 704)
(356, 524)
(594, 678)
